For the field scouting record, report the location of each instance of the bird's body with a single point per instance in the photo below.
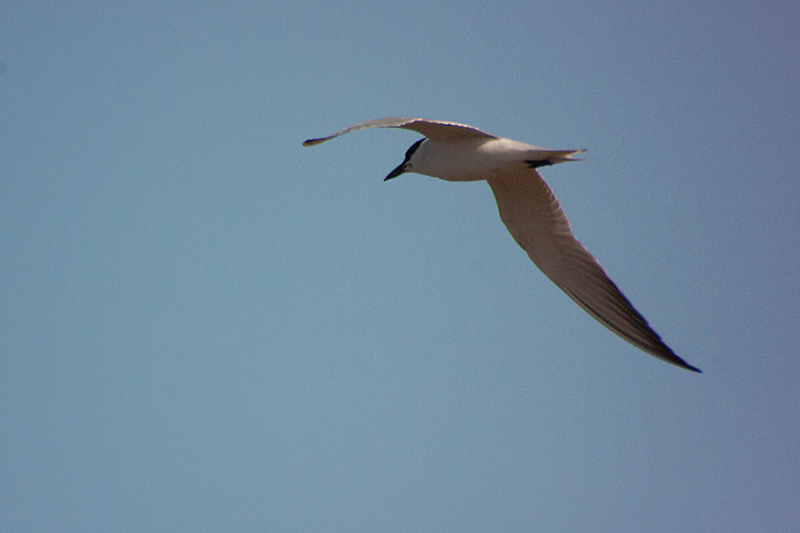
(476, 159)
(530, 211)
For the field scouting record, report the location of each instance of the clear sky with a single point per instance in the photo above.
(205, 326)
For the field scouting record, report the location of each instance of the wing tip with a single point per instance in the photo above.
(677, 361)
(692, 368)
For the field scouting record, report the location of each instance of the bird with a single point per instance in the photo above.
(530, 211)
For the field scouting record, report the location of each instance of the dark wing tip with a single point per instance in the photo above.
(692, 368)
(677, 361)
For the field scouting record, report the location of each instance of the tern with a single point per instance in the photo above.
(529, 209)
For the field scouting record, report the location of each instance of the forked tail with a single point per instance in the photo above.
(553, 157)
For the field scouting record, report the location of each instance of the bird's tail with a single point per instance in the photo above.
(544, 158)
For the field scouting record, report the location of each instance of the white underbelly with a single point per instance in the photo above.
(471, 159)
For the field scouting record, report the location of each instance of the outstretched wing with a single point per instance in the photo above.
(432, 129)
(533, 216)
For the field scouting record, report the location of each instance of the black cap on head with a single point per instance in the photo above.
(404, 165)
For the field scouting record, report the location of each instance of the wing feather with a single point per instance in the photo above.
(534, 217)
(432, 129)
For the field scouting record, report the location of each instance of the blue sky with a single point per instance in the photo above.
(205, 326)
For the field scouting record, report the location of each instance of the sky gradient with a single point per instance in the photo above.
(205, 326)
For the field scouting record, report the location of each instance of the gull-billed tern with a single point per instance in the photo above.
(530, 211)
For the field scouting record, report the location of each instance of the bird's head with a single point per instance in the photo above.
(406, 165)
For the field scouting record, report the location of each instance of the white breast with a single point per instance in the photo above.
(470, 159)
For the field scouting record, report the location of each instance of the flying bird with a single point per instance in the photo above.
(529, 209)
